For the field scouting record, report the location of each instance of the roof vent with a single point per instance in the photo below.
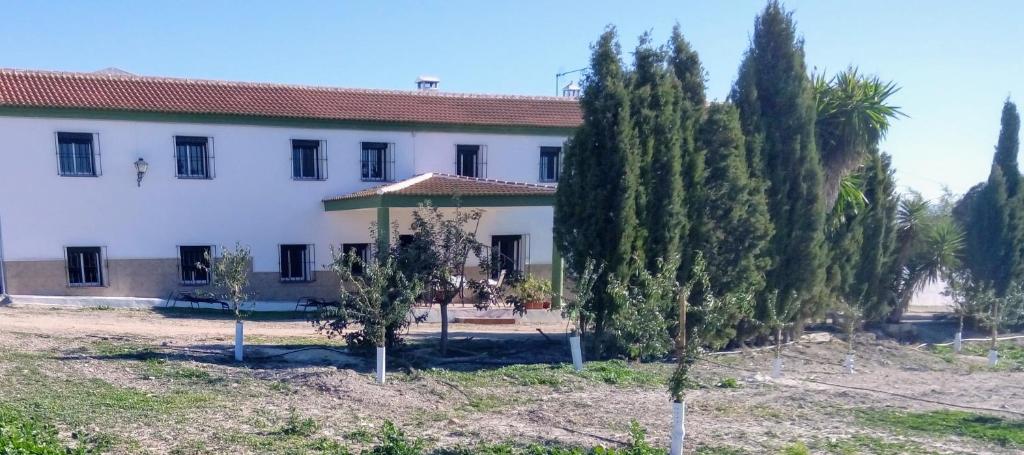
(427, 83)
(572, 90)
(111, 71)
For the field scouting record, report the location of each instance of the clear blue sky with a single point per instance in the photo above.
(956, 61)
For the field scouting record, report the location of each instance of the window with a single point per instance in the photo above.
(378, 161)
(297, 263)
(85, 266)
(193, 156)
(506, 254)
(470, 161)
(550, 163)
(361, 251)
(76, 155)
(195, 264)
(309, 160)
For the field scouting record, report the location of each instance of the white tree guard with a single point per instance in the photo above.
(777, 368)
(239, 343)
(678, 428)
(381, 370)
(993, 357)
(577, 353)
(958, 342)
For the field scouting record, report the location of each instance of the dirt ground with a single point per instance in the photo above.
(186, 396)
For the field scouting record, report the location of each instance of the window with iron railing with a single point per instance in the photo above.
(297, 263)
(471, 160)
(550, 164)
(78, 155)
(193, 156)
(377, 161)
(85, 266)
(194, 264)
(309, 159)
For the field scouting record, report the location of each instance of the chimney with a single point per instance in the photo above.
(572, 90)
(427, 83)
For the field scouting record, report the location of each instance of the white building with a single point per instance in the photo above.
(278, 168)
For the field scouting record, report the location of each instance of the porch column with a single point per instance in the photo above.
(557, 276)
(383, 229)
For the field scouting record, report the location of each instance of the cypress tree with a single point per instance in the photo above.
(878, 228)
(685, 65)
(993, 214)
(655, 104)
(734, 213)
(777, 111)
(595, 209)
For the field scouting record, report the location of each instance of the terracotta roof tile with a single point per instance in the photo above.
(439, 184)
(22, 88)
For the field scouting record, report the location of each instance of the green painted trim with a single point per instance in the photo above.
(113, 114)
(383, 230)
(397, 200)
(557, 276)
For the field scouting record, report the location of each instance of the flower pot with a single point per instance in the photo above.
(538, 305)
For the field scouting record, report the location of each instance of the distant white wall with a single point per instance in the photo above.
(252, 198)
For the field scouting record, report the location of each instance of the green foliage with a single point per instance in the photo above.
(440, 248)
(595, 210)
(297, 425)
(393, 441)
(796, 448)
(578, 309)
(641, 327)
(873, 273)
(609, 372)
(231, 275)
(655, 112)
(1006, 433)
(777, 108)
(708, 316)
(728, 383)
(377, 301)
(22, 436)
(734, 216)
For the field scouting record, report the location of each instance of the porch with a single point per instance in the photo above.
(517, 222)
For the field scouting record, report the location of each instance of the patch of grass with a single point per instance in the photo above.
(1006, 433)
(1011, 354)
(796, 448)
(128, 350)
(163, 369)
(864, 444)
(728, 383)
(612, 372)
(719, 450)
(20, 435)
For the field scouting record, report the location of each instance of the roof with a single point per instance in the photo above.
(111, 91)
(445, 190)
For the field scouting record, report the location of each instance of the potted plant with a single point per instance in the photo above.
(535, 293)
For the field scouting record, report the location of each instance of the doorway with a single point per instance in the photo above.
(506, 254)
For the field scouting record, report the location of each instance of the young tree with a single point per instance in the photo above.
(441, 245)
(645, 299)
(595, 210)
(777, 110)
(378, 300)
(733, 214)
(231, 278)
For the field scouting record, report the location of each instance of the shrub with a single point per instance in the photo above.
(30, 437)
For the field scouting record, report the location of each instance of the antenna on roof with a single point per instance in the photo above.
(558, 78)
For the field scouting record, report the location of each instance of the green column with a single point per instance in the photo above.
(383, 229)
(557, 275)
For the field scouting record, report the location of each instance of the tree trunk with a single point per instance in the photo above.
(444, 329)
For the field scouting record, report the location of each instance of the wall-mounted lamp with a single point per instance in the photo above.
(141, 166)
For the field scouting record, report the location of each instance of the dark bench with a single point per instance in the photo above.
(194, 300)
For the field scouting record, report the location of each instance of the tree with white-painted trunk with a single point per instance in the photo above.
(576, 310)
(849, 317)
(376, 296)
(699, 326)
(231, 276)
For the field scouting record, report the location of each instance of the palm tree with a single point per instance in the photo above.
(928, 248)
(853, 115)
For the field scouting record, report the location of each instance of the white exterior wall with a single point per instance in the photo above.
(252, 198)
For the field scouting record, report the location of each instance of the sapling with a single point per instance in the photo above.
(231, 277)
(777, 320)
(698, 337)
(850, 317)
(576, 310)
(379, 299)
(441, 246)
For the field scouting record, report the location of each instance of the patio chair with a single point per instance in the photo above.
(316, 303)
(194, 300)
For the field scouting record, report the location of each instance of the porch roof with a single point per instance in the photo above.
(446, 190)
